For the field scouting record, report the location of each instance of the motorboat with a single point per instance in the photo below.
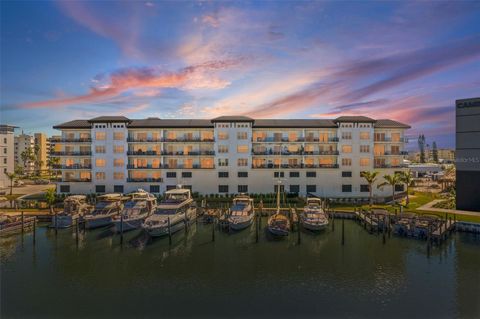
(313, 216)
(278, 224)
(74, 208)
(139, 206)
(13, 224)
(107, 206)
(172, 214)
(241, 214)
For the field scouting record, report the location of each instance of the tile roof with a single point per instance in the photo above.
(363, 119)
(386, 123)
(294, 123)
(109, 119)
(74, 124)
(234, 118)
(170, 123)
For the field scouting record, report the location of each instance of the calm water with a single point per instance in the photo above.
(236, 277)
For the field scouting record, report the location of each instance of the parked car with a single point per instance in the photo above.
(42, 181)
(18, 183)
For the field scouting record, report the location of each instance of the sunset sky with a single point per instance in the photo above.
(406, 61)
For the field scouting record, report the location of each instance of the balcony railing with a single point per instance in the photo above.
(132, 166)
(389, 166)
(144, 153)
(74, 166)
(295, 153)
(77, 153)
(144, 140)
(71, 140)
(166, 166)
(77, 180)
(297, 140)
(391, 153)
(193, 153)
(301, 165)
(170, 140)
(145, 180)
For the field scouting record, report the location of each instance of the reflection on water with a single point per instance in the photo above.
(235, 276)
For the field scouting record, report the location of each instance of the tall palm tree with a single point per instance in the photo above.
(50, 197)
(27, 157)
(407, 179)
(370, 178)
(391, 180)
(11, 177)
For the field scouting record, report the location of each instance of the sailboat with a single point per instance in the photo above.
(278, 224)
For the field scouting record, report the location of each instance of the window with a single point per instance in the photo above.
(223, 174)
(364, 135)
(64, 188)
(294, 174)
(243, 188)
(346, 148)
(346, 174)
(346, 162)
(223, 135)
(242, 174)
(118, 188)
(222, 148)
(242, 149)
(99, 148)
(118, 175)
(364, 162)
(187, 174)
(100, 162)
(118, 149)
(282, 188)
(118, 136)
(242, 135)
(311, 174)
(347, 135)
(99, 188)
(295, 189)
(118, 162)
(100, 136)
(223, 188)
(364, 188)
(346, 188)
(171, 174)
(154, 188)
(170, 187)
(4, 161)
(399, 188)
(311, 188)
(242, 162)
(278, 174)
(223, 162)
(100, 176)
(364, 148)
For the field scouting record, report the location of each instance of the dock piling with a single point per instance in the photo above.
(333, 221)
(343, 231)
(56, 224)
(213, 229)
(169, 232)
(23, 224)
(34, 230)
(121, 229)
(383, 227)
(76, 231)
(299, 239)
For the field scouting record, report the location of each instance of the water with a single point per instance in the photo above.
(236, 277)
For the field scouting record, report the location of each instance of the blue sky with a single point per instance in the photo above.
(407, 61)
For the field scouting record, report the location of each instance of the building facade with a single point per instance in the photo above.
(7, 156)
(42, 144)
(230, 154)
(468, 154)
(22, 143)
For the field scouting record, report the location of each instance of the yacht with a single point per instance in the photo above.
(107, 206)
(313, 216)
(171, 214)
(74, 207)
(139, 206)
(242, 213)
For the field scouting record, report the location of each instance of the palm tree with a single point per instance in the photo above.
(51, 163)
(27, 157)
(12, 177)
(370, 178)
(407, 179)
(50, 197)
(391, 180)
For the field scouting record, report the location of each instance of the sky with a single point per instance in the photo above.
(407, 61)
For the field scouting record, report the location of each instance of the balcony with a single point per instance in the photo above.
(83, 153)
(389, 166)
(182, 166)
(144, 140)
(391, 153)
(272, 153)
(74, 166)
(297, 140)
(132, 166)
(301, 165)
(144, 153)
(145, 180)
(71, 140)
(193, 153)
(77, 180)
(189, 140)
(321, 153)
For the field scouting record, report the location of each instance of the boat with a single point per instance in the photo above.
(313, 216)
(139, 206)
(107, 206)
(210, 215)
(241, 213)
(172, 214)
(75, 206)
(13, 224)
(278, 224)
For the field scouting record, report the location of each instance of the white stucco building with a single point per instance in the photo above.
(229, 154)
(7, 155)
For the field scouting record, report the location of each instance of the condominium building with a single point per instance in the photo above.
(22, 143)
(468, 154)
(228, 154)
(7, 156)
(43, 146)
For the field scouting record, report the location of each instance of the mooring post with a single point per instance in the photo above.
(76, 231)
(121, 228)
(169, 232)
(333, 221)
(213, 229)
(186, 222)
(34, 229)
(343, 231)
(299, 239)
(383, 228)
(23, 226)
(256, 227)
(56, 224)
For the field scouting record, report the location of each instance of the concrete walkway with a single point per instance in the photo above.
(428, 207)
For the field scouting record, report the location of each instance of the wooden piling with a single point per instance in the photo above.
(299, 231)
(23, 224)
(256, 227)
(213, 229)
(383, 227)
(56, 223)
(186, 222)
(34, 229)
(121, 228)
(333, 221)
(343, 231)
(76, 231)
(169, 232)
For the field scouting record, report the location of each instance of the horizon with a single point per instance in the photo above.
(405, 61)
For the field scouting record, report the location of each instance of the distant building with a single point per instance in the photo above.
(7, 156)
(468, 154)
(43, 145)
(446, 155)
(22, 143)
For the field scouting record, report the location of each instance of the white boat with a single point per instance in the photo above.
(75, 207)
(140, 205)
(278, 224)
(177, 209)
(241, 213)
(313, 216)
(107, 206)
